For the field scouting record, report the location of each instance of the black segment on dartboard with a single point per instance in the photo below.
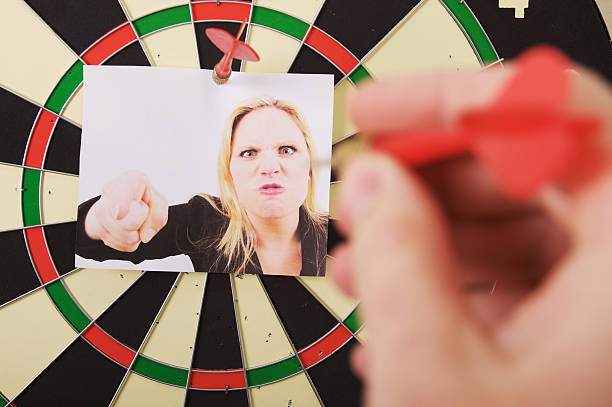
(217, 343)
(17, 116)
(209, 54)
(129, 319)
(17, 276)
(79, 23)
(303, 316)
(574, 26)
(232, 398)
(308, 60)
(360, 28)
(60, 241)
(64, 148)
(133, 54)
(80, 376)
(334, 237)
(334, 380)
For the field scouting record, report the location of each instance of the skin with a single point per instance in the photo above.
(478, 300)
(268, 148)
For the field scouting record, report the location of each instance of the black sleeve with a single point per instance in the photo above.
(187, 225)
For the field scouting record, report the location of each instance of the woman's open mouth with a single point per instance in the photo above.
(271, 189)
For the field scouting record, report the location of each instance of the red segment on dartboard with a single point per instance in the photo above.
(224, 11)
(219, 380)
(332, 49)
(325, 347)
(109, 346)
(39, 139)
(109, 44)
(40, 254)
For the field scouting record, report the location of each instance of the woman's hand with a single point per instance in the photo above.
(129, 211)
(472, 299)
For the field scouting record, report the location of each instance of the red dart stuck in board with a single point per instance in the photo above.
(232, 48)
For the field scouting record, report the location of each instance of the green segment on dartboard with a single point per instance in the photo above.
(353, 322)
(162, 19)
(473, 30)
(3, 400)
(30, 197)
(359, 74)
(157, 371)
(279, 21)
(277, 371)
(67, 306)
(65, 87)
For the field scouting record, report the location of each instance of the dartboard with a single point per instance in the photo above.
(88, 337)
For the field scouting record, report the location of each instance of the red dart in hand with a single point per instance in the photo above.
(232, 48)
(525, 139)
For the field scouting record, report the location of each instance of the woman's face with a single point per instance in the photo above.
(270, 163)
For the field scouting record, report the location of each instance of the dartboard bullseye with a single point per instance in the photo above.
(112, 337)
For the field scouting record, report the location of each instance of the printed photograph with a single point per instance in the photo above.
(180, 174)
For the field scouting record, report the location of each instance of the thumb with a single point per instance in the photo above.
(399, 244)
(157, 216)
(404, 269)
(121, 209)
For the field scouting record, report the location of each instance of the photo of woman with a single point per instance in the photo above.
(264, 221)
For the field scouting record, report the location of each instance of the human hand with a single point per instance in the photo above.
(128, 212)
(470, 298)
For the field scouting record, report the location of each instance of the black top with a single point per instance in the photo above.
(194, 229)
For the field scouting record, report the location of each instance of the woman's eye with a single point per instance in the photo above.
(286, 150)
(248, 153)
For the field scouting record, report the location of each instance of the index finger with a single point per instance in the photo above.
(423, 101)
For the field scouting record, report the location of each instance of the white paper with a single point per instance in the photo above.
(167, 123)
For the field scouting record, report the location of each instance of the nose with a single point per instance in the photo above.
(269, 165)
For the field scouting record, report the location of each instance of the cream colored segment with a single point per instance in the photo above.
(295, 391)
(172, 338)
(59, 197)
(362, 335)
(519, 6)
(33, 334)
(305, 10)
(95, 289)
(275, 50)
(10, 204)
(340, 304)
(140, 8)
(605, 8)
(429, 40)
(74, 108)
(175, 47)
(333, 193)
(34, 57)
(343, 125)
(140, 391)
(263, 338)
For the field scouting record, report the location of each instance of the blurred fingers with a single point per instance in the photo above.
(423, 101)
(359, 361)
(399, 248)
(342, 270)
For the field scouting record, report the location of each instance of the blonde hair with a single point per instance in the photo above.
(238, 241)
